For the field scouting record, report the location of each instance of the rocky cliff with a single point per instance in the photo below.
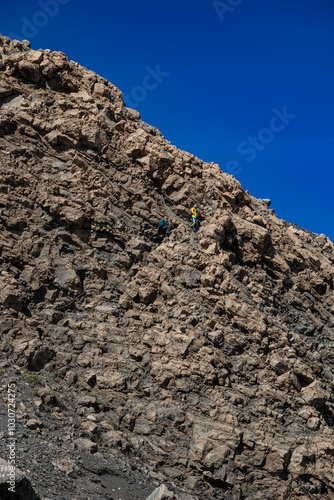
(202, 361)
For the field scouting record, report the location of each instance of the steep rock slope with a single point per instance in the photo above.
(203, 361)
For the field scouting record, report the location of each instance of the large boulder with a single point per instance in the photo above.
(14, 484)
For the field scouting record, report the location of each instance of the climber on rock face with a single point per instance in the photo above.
(194, 219)
(164, 227)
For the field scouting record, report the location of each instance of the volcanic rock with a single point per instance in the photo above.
(189, 367)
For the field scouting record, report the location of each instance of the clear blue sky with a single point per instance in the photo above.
(215, 78)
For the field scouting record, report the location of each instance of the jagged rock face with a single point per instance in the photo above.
(203, 360)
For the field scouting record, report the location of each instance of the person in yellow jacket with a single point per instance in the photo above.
(194, 220)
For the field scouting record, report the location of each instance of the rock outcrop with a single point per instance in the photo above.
(15, 489)
(198, 366)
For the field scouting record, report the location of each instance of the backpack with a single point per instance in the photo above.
(162, 223)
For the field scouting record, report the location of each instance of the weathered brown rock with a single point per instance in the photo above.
(86, 445)
(161, 493)
(200, 361)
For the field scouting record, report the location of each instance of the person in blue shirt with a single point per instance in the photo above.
(164, 227)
